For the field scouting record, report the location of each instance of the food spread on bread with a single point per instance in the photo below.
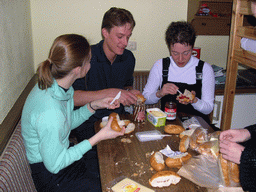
(117, 123)
(187, 96)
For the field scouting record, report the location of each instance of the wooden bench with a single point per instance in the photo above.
(15, 173)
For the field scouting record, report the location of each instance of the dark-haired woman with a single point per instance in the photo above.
(181, 71)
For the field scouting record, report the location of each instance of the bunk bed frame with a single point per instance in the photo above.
(236, 56)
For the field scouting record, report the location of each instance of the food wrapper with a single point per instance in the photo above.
(229, 172)
(167, 151)
(128, 185)
(208, 168)
(203, 171)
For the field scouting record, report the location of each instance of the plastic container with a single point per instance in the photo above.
(156, 117)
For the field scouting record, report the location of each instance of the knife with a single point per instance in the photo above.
(179, 91)
(163, 135)
(116, 97)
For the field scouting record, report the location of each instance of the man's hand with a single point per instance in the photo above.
(235, 135)
(231, 151)
(128, 97)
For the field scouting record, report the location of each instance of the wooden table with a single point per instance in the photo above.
(120, 159)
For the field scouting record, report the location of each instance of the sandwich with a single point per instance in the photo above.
(187, 96)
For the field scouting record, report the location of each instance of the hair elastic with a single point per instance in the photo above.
(91, 106)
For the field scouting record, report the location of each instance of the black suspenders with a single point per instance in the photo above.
(199, 70)
(166, 64)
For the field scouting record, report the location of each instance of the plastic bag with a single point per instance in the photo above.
(202, 170)
(229, 172)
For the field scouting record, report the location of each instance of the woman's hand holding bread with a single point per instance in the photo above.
(106, 133)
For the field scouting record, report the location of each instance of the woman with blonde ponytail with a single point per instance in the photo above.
(48, 117)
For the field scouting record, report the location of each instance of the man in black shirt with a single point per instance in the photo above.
(111, 71)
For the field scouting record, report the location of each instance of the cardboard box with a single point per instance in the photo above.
(156, 120)
(222, 9)
(218, 22)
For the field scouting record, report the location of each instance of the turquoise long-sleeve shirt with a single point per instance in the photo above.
(47, 119)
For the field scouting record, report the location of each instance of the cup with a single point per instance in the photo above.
(196, 52)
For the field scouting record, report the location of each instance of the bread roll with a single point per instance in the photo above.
(214, 136)
(176, 162)
(224, 170)
(114, 125)
(184, 143)
(173, 129)
(205, 148)
(230, 171)
(115, 116)
(235, 172)
(126, 122)
(129, 128)
(199, 136)
(141, 99)
(157, 161)
(164, 179)
(187, 132)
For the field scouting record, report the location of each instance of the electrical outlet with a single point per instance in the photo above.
(132, 45)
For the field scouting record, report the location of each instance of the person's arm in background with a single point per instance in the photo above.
(248, 162)
(82, 97)
(229, 143)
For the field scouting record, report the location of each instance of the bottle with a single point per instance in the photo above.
(170, 110)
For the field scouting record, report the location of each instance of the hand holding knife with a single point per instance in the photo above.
(116, 97)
